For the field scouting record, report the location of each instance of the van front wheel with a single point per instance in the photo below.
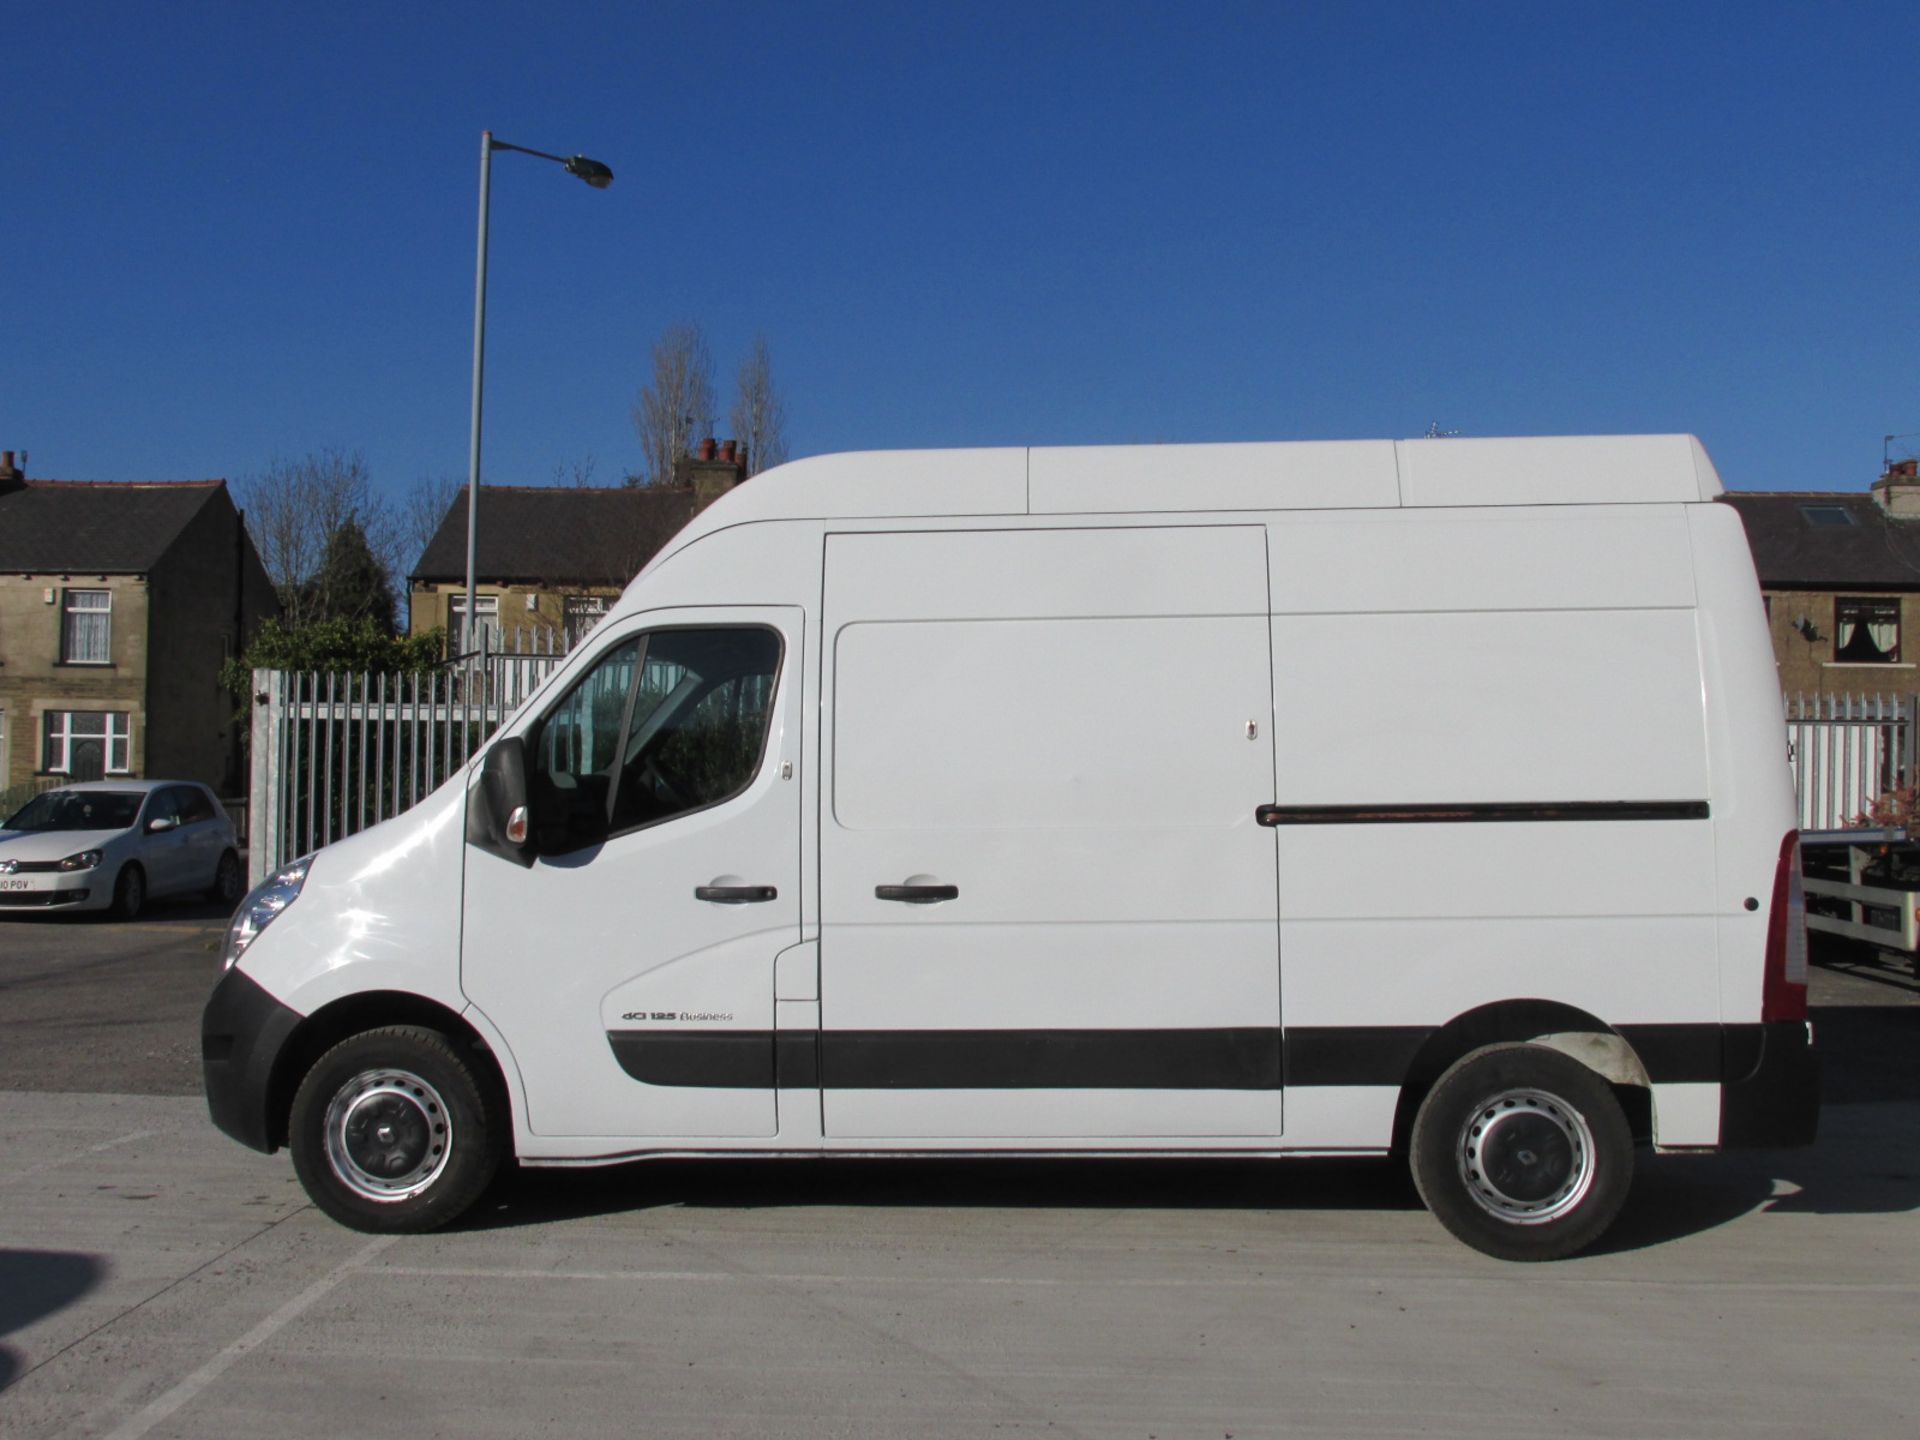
(1522, 1152)
(393, 1133)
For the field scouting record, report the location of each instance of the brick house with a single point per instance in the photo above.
(549, 560)
(118, 603)
(1841, 576)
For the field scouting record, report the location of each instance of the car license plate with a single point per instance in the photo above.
(16, 885)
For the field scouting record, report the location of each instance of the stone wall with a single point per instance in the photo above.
(34, 681)
(1805, 652)
(209, 594)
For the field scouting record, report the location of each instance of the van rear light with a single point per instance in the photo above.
(1784, 994)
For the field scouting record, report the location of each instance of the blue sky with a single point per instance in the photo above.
(235, 232)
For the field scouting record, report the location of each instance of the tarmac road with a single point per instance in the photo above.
(157, 1280)
(102, 1006)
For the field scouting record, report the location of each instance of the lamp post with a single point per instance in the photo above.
(599, 177)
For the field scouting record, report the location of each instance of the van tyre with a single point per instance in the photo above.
(129, 891)
(393, 1131)
(1522, 1153)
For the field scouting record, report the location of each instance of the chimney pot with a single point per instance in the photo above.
(726, 451)
(705, 451)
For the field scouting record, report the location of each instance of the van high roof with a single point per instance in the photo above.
(1185, 479)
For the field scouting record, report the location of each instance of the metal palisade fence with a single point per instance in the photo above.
(336, 752)
(1848, 753)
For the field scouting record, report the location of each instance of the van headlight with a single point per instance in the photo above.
(85, 860)
(263, 903)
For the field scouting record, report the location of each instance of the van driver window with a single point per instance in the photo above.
(571, 775)
(699, 722)
(668, 722)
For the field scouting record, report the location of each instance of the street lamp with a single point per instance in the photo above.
(599, 177)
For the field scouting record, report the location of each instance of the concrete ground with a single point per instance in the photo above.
(157, 1280)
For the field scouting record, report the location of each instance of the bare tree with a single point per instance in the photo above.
(579, 474)
(294, 510)
(678, 405)
(759, 413)
(422, 509)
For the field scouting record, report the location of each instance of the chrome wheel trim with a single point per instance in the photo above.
(1526, 1156)
(389, 1135)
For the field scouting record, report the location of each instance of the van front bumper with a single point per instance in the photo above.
(242, 1034)
(1770, 1093)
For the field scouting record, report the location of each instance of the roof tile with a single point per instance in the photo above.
(556, 535)
(107, 526)
(1791, 552)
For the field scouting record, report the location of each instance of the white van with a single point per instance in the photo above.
(1422, 798)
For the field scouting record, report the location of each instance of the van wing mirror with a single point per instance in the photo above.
(497, 817)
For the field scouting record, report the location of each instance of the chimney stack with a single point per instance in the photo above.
(12, 476)
(1898, 491)
(714, 468)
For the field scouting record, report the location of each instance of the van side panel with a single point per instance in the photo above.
(1469, 560)
(1508, 676)
(1067, 728)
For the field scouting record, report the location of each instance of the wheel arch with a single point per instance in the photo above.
(1550, 1023)
(370, 1010)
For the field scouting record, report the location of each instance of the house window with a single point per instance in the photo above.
(87, 744)
(1866, 632)
(86, 634)
(1826, 517)
(582, 613)
(486, 609)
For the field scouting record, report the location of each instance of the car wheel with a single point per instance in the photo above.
(392, 1131)
(129, 891)
(229, 883)
(1522, 1152)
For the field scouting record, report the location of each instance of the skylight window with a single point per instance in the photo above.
(1823, 517)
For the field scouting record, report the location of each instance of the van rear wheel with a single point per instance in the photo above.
(1523, 1153)
(392, 1131)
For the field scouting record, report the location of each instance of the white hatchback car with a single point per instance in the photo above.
(113, 844)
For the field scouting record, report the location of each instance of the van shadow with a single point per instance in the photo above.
(534, 1197)
(35, 1284)
(1866, 1161)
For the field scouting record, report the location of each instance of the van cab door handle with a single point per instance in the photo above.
(735, 894)
(917, 894)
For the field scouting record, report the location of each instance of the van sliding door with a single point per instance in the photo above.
(1047, 910)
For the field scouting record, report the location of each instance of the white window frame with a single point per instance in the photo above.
(580, 613)
(69, 610)
(486, 609)
(60, 732)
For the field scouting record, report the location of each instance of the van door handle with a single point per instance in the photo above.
(736, 894)
(917, 894)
